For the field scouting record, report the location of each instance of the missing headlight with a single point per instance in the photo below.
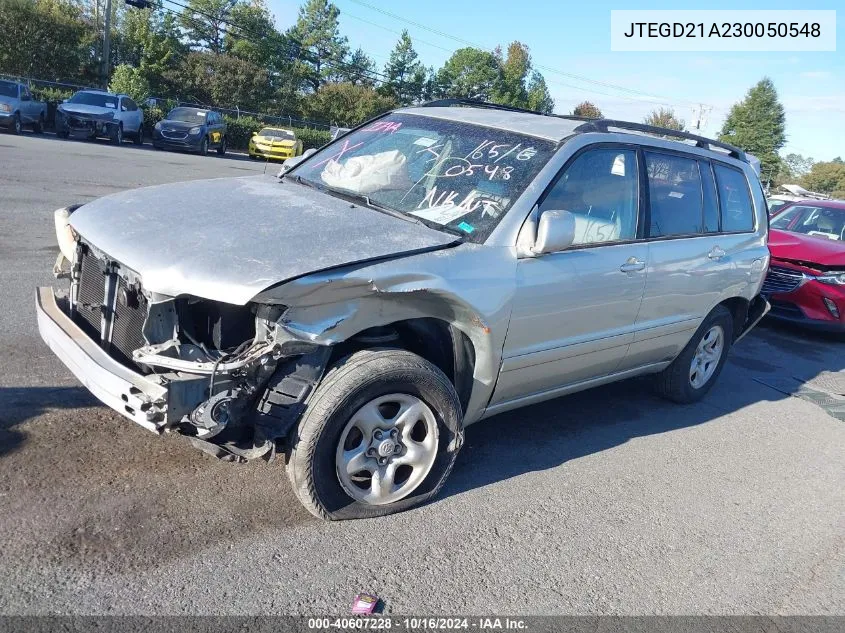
(214, 325)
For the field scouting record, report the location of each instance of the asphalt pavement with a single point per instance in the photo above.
(610, 501)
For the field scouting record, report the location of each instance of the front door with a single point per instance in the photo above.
(574, 311)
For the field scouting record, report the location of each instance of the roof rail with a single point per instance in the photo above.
(602, 125)
(597, 125)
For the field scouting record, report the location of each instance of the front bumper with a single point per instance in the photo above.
(189, 143)
(137, 397)
(6, 119)
(271, 153)
(805, 306)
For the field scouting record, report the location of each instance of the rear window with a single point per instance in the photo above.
(674, 187)
(734, 200)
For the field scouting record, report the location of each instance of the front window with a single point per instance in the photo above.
(279, 135)
(188, 115)
(821, 222)
(97, 99)
(454, 176)
(8, 89)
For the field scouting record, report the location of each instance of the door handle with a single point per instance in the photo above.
(632, 265)
(716, 253)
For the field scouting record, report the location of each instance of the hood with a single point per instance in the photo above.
(278, 142)
(181, 126)
(230, 238)
(807, 249)
(89, 110)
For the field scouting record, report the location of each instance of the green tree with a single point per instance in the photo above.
(793, 168)
(44, 38)
(346, 104)
(148, 40)
(757, 125)
(825, 178)
(204, 23)
(358, 69)
(665, 117)
(468, 73)
(323, 49)
(405, 75)
(128, 80)
(512, 89)
(539, 97)
(222, 80)
(587, 109)
(252, 36)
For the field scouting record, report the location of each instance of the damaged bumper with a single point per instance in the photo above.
(140, 398)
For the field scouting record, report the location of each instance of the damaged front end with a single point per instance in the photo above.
(229, 377)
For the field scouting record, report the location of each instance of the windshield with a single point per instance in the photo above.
(98, 99)
(822, 222)
(8, 89)
(277, 134)
(188, 115)
(448, 174)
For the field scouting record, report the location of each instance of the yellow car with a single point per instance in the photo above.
(274, 143)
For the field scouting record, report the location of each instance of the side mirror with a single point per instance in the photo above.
(555, 232)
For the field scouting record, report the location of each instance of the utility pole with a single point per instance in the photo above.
(104, 71)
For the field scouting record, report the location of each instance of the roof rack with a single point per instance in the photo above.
(598, 125)
(602, 125)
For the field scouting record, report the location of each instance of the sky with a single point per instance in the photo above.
(573, 38)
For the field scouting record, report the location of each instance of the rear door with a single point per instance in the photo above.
(215, 129)
(697, 252)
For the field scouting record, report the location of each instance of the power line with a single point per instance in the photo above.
(632, 91)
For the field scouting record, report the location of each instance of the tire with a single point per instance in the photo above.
(364, 378)
(139, 137)
(117, 136)
(204, 147)
(678, 381)
(63, 133)
(38, 126)
(17, 126)
(221, 151)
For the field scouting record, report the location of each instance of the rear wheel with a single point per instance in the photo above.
(221, 150)
(38, 126)
(139, 137)
(695, 370)
(380, 435)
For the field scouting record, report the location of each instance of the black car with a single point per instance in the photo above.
(192, 129)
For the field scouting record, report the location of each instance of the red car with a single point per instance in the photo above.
(806, 279)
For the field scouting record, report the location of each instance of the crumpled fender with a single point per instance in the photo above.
(470, 287)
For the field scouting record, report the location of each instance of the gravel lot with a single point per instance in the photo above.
(608, 501)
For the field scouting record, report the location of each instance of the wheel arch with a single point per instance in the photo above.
(738, 307)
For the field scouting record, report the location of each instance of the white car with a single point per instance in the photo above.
(100, 113)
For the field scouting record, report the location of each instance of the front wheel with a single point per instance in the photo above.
(17, 126)
(38, 126)
(695, 370)
(117, 135)
(204, 147)
(139, 137)
(379, 435)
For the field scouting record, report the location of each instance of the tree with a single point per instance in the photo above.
(148, 40)
(512, 89)
(665, 117)
(826, 178)
(323, 49)
(587, 109)
(358, 69)
(539, 98)
(204, 22)
(253, 37)
(44, 38)
(222, 80)
(757, 125)
(405, 75)
(128, 80)
(469, 73)
(793, 168)
(346, 104)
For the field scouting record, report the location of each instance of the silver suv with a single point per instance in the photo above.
(429, 269)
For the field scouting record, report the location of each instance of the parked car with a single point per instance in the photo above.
(192, 129)
(18, 108)
(791, 193)
(806, 280)
(274, 143)
(97, 113)
(432, 268)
